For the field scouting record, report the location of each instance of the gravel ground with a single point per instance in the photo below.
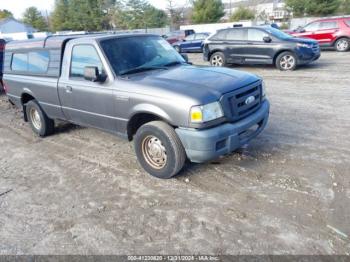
(82, 191)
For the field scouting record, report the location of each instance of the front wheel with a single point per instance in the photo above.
(342, 45)
(218, 59)
(159, 149)
(286, 61)
(39, 122)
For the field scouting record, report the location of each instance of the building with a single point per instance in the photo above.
(12, 29)
(266, 10)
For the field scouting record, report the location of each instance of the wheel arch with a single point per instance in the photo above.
(340, 37)
(280, 52)
(26, 96)
(142, 117)
(214, 51)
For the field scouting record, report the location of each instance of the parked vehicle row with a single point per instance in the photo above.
(259, 45)
(178, 35)
(136, 86)
(329, 32)
(192, 43)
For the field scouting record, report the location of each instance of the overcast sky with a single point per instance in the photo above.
(17, 7)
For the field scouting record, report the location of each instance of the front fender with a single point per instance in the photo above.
(150, 109)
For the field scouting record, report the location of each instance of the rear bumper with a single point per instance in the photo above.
(205, 145)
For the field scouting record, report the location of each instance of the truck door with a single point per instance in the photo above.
(85, 102)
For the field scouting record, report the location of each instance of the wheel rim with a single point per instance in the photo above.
(342, 45)
(217, 60)
(287, 62)
(35, 118)
(154, 152)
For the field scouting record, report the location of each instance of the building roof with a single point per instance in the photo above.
(249, 3)
(8, 19)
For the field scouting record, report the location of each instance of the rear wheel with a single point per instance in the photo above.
(159, 149)
(38, 120)
(342, 45)
(286, 61)
(218, 59)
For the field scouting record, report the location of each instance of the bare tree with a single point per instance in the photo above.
(177, 13)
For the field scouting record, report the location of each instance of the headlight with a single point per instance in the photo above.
(303, 45)
(263, 89)
(205, 113)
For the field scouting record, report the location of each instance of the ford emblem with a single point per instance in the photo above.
(250, 100)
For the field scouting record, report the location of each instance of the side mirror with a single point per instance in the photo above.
(267, 39)
(184, 56)
(300, 29)
(91, 74)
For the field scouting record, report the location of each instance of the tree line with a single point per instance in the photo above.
(97, 15)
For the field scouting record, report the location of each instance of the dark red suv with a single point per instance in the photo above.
(329, 32)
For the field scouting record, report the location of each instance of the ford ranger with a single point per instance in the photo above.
(139, 87)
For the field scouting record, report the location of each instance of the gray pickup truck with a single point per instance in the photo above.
(139, 87)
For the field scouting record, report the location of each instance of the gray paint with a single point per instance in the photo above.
(168, 94)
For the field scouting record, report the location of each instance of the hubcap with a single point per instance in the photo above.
(342, 45)
(287, 62)
(154, 152)
(217, 60)
(35, 118)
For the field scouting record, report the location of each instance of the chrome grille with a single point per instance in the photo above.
(235, 105)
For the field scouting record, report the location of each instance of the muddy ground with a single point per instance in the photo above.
(82, 191)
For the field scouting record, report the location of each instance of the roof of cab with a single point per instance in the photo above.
(56, 42)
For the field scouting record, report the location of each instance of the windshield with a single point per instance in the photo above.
(134, 53)
(278, 33)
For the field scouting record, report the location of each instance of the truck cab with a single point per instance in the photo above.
(136, 86)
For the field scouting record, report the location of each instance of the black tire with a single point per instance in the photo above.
(166, 140)
(47, 125)
(177, 48)
(218, 59)
(284, 61)
(342, 44)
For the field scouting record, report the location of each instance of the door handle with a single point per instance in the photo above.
(69, 89)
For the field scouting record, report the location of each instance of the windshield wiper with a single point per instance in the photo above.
(142, 69)
(173, 63)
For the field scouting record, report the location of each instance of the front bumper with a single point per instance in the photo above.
(307, 55)
(208, 144)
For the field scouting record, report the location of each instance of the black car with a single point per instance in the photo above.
(259, 45)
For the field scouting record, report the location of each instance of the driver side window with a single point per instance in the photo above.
(82, 56)
(190, 37)
(256, 35)
(312, 27)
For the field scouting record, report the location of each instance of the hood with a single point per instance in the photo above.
(203, 84)
(302, 40)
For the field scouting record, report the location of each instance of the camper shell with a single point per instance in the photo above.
(54, 45)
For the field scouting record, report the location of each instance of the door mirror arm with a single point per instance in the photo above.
(91, 73)
(267, 39)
